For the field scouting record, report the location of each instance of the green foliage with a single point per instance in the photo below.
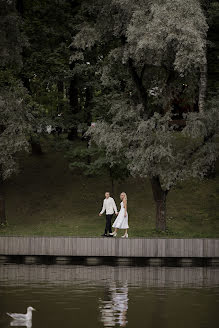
(48, 26)
(93, 162)
(152, 148)
(157, 46)
(123, 64)
(164, 44)
(170, 31)
(16, 124)
(213, 49)
(12, 40)
(48, 199)
(15, 117)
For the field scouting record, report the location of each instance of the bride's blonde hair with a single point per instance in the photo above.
(125, 196)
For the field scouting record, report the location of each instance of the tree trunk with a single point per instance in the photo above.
(2, 202)
(74, 107)
(112, 186)
(112, 181)
(202, 87)
(60, 105)
(160, 201)
(88, 156)
(74, 104)
(35, 147)
(87, 106)
(20, 7)
(60, 89)
(142, 94)
(87, 112)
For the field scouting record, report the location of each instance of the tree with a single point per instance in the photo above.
(94, 162)
(49, 27)
(15, 126)
(154, 49)
(213, 49)
(15, 117)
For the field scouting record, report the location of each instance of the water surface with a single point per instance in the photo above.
(108, 296)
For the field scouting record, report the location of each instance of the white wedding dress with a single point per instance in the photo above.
(121, 221)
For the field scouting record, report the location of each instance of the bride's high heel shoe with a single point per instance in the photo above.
(114, 234)
(125, 235)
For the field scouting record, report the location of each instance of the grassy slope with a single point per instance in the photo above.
(47, 199)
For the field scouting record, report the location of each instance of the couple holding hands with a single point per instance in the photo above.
(121, 221)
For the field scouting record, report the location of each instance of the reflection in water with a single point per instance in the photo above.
(114, 306)
(178, 277)
(25, 323)
(109, 296)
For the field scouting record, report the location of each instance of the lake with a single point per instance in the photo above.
(110, 296)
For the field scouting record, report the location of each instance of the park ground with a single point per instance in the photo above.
(46, 198)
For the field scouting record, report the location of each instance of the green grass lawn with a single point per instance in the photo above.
(46, 198)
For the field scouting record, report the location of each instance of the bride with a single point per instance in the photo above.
(121, 221)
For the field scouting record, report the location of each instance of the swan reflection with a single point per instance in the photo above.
(20, 323)
(114, 306)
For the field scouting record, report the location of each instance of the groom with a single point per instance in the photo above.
(109, 206)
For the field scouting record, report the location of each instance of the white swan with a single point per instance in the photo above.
(22, 317)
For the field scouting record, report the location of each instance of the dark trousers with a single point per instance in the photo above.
(108, 223)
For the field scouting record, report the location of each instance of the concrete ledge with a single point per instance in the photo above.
(113, 247)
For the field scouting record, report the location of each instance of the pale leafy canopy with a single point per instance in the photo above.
(154, 30)
(15, 126)
(164, 43)
(154, 149)
(168, 28)
(15, 117)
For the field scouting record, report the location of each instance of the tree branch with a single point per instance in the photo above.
(202, 87)
(142, 72)
(142, 93)
(194, 151)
